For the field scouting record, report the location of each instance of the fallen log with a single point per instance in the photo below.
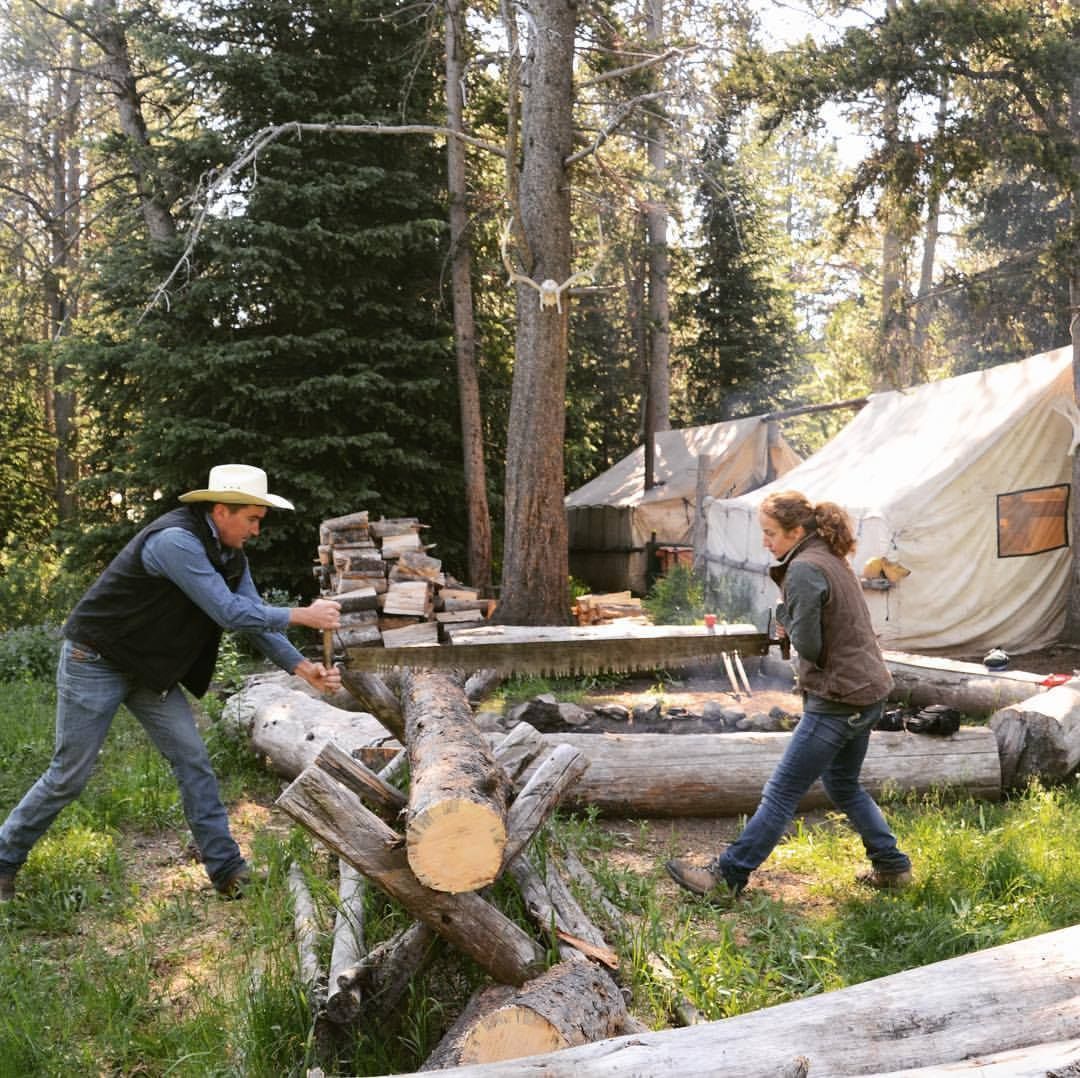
(289, 728)
(338, 817)
(364, 782)
(455, 827)
(1015, 996)
(1058, 1060)
(306, 930)
(343, 1001)
(373, 692)
(572, 1003)
(723, 775)
(1039, 738)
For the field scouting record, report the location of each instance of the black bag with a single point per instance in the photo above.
(891, 720)
(938, 719)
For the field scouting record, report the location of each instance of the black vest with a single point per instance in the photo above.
(145, 624)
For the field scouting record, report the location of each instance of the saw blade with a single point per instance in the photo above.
(564, 657)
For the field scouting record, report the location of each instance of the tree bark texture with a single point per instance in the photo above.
(1005, 999)
(534, 588)
(456, 821)
(723, 775)
(341, 821)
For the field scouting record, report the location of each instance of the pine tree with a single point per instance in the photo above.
(746, 345)
(309, 337)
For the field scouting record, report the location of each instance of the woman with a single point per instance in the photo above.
(844, 682)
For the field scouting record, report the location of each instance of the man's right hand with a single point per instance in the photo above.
(321, 614)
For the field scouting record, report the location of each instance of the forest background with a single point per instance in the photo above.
(282, 233)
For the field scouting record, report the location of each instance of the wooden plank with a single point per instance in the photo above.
(412, 597)
(424, 632)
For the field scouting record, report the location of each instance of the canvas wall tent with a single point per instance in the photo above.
(963, 481)
(612, 518)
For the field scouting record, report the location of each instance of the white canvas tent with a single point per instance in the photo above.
(612, 518)
(965, 482)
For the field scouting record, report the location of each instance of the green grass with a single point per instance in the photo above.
(101, 974)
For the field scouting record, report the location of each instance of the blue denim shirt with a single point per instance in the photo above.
(178, 555)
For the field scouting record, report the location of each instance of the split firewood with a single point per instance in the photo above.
(388, 526)
(339, 818)
(571, 1003)
(343, 1002)
(351, 528)
(456, 821)
(395, 545)
(423, 632)
(416, 565)
(408, 597)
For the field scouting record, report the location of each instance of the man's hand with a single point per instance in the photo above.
(322, 614)
(324, 679)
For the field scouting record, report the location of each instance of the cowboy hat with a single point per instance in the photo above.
(237, 484)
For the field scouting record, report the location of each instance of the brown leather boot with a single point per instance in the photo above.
(702, 879)
(881, 880)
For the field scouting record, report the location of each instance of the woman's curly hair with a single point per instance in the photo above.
(790, 509)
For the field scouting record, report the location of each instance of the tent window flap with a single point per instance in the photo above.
(1033, 521)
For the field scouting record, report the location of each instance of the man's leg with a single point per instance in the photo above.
(168, 720)
(88, 692)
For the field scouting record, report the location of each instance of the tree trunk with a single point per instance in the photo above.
(472, 433)
(535, 576)
(456, 821)
(723, 774)
(1072, 608)
(342, 822)
(1004, 999)
(289, 728)
(1040, 737)
(343, 1001)
(924, 305)
(572, 1003)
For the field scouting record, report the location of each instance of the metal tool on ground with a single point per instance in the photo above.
(730, 670)
(742, 674)
(568, 651)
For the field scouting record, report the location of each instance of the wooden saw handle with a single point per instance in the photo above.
(328, 648)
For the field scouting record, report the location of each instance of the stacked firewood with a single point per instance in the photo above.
(392, 592)
(436, 850)
(608, 607)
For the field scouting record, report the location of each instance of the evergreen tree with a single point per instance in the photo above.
(745, 353)
(309, 337)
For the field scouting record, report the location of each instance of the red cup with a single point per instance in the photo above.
(710, 620)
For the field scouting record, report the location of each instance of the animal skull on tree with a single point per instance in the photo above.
(550, 292)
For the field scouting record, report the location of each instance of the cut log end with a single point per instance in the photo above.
(511, 1033)
(456, 845)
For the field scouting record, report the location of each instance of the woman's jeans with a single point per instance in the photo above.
(832, 748)
(90, 690)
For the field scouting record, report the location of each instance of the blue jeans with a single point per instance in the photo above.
(90, 690)
(832, 748)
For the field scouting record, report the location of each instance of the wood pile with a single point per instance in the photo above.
(393, 593)
(436, 850)
(608, 607)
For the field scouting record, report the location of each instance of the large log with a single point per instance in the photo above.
(571, 1003)
(723, 774)
(1039, 737)
(338, 817)
(343, 1001)
(374, 694)
(455, 826)
(289, 728)
(1007, 998)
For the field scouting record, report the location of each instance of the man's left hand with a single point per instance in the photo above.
(324, 679)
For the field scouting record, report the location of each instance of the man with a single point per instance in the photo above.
(150, 623)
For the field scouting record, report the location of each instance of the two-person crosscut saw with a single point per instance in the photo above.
(568, 651)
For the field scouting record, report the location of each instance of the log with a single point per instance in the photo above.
(572, 1003)
(1015, 996)
(343, 1001)
(365, 783)
(969, 687)
(289, 728)
(456, 822)
(350, 528)
(374, 694)
(1061, 1059)
(342, 822)
(1039, 738)
(306, 929)
(711, 775)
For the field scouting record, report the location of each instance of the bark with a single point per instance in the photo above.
(1040, 737)
(570, 1004)
(535, 588)
(472, 434)
(290, 728)
(342, 1000)
(456, 820)
(373, 692)
(380, 795)
(658, 775)
(1004, 999)
(305, 926)
(341, 821)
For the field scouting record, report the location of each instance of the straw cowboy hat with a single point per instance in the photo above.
(237, 484)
